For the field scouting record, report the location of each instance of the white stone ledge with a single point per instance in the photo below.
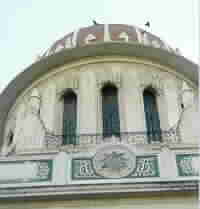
(78, 191)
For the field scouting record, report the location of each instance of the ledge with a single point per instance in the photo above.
(84, 191)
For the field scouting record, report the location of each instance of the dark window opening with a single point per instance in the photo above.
(110, 111)
(10, 138)
(151, 116)
(69, 118)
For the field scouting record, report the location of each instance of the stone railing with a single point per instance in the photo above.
(56, 141)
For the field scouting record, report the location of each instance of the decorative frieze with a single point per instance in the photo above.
(146, 167)
(116, 162)
(25, 171)
(126, 33)
(188, 164)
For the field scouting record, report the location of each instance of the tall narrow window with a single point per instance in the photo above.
(152, 116)
(110, 111)
(69, 118)
(10, 138)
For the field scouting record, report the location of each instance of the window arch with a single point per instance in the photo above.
(151, 115)
(69, 118)
(110, 111)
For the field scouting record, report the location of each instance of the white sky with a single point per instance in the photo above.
(29, 27)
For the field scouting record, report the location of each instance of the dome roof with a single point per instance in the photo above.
(108, 33)
(115, 40)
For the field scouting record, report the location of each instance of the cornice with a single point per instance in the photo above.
(97, 190)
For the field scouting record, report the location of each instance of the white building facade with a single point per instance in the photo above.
(107, 118)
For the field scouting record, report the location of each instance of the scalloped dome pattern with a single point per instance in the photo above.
(108, 33)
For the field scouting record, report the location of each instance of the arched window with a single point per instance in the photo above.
(151, 115)
(69, 118)
(110, 111)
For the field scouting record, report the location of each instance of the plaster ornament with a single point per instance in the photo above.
(68, 43)
(90, 38)
(30, 134)
(165, 147)
(58, 48)
(156, 44)
(139, 35)
(74, 38)
(8, 146)
(143, 37)
(106, 33)
(154, 81)
(66, 83)
(50, 52)
(187, 98)
(187, 95)
(195, 165)
(124, 36)
(11, 123)
(167, 47)
(177, 51)
(114, 161)
(108, 77)
(13, 126)
(46, 53)
(146, 40)
(188, 125)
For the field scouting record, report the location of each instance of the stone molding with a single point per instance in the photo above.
(81, 191)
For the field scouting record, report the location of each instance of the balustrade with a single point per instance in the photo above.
(56, 141)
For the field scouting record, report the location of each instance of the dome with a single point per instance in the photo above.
(108, 33)
(106, 112)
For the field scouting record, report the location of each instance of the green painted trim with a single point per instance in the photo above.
(48, 177)
(95, 176)
(188, 169)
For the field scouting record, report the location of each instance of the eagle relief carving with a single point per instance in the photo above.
(114, 161)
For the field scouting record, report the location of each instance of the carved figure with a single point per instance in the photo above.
(30, 132)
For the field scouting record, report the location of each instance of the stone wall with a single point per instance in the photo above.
(86, 78)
